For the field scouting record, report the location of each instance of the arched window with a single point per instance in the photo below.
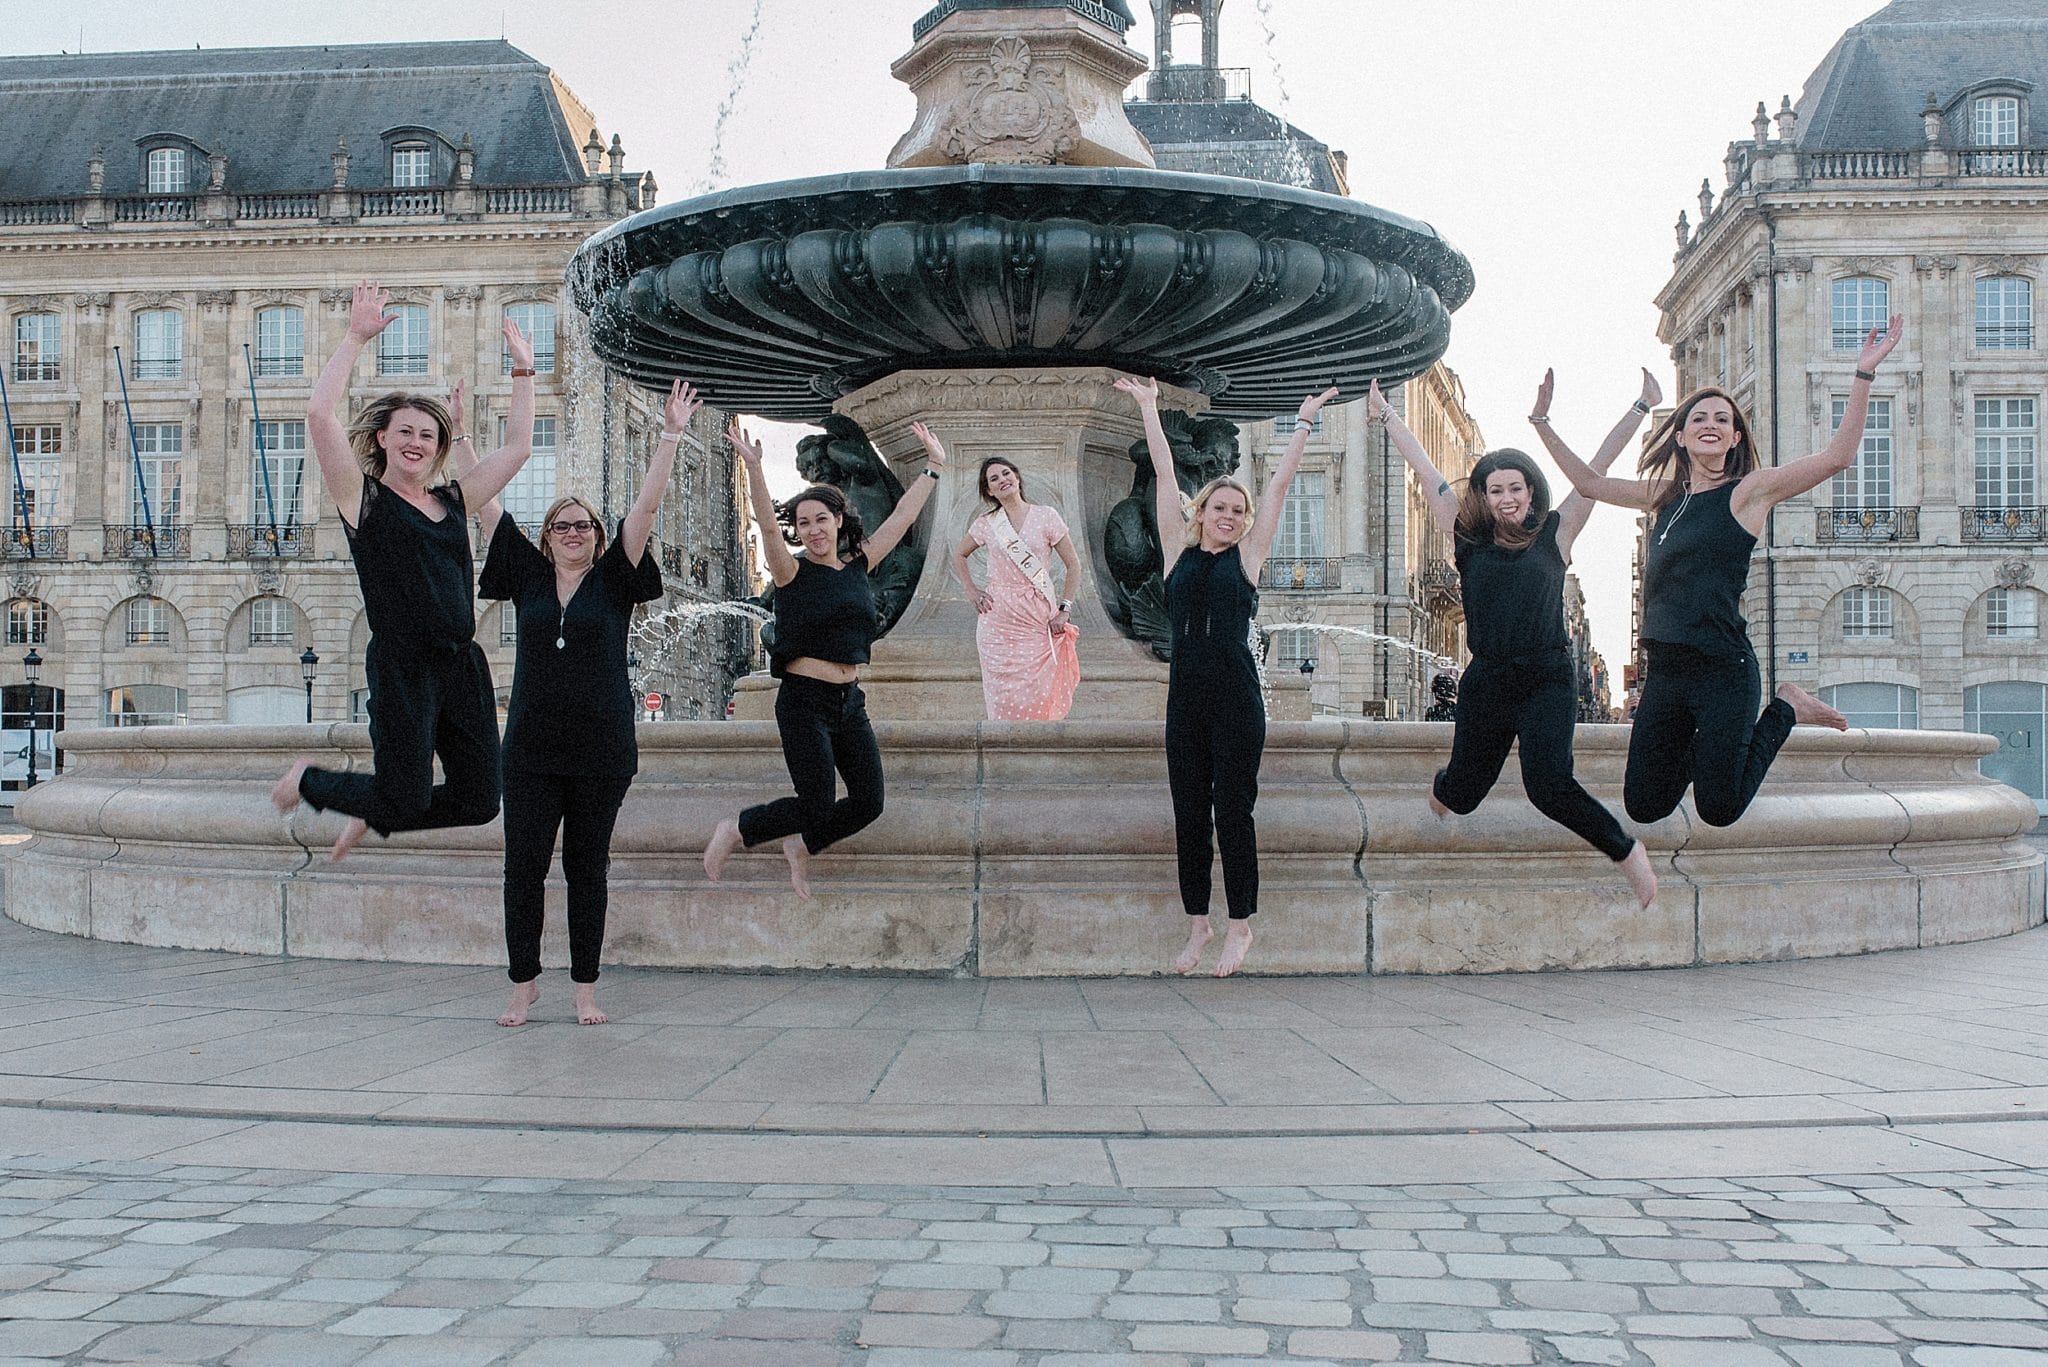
(270, 621)
(1861, 302)
(281, 341)
(159, 344)
(537, 321)
(1890, 706)
(402, 347)
(165, 171)
(1995, 121)
(38, 345)
(412, 165)
(28, 622)
(149, 622)
(2012, 614)
(2005, 313)
(1867, 613)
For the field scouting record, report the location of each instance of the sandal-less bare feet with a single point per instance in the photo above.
(1237, 942)
(587, 1012)
(1199, 935)
(524, 995)
(799, 856)
(724, 841)
(351, 836)
(1642, 879)
(285, 795)
(1437, 809)
(1808, 710)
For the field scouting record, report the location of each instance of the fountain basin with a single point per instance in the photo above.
(1017, 850)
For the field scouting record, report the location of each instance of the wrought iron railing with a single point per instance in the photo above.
(1440, 581)
(40, 543)
(675, 561)
(2002, 524)
(1866, 524)
(1310, 576)
(260, 540)
(141, 543)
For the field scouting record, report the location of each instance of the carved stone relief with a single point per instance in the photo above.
(1015, 112)
(2015, 574)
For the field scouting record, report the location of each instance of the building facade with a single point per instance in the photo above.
(1911, 177)
(178, 236)
(1356, 549)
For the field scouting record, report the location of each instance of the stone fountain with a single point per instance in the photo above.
(1017, 256)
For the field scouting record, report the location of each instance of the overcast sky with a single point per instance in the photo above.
(1553, 144)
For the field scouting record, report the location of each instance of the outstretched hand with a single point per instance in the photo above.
(1377, 409)
(683, 403)
(456, 422)
(934, 450)
(366, 315)
(747, 446)
(1146, 392)
(1313, 404)
(518, 347)
(1880, 342)
(1541, 409)
(1653, 393)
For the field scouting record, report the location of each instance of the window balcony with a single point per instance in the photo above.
(40, 543)
(1303, 576)
(1440, 583)
(142, 543)
(261, 541)
(1866, 525)
(2002, 524)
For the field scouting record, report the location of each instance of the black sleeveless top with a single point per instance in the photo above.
(1210, 605)
(416, 574)
(1694, 575)
(1514, 600)
(824, 614)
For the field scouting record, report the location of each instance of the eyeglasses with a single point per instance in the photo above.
(585, 525)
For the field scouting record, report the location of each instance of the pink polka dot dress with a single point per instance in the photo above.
(1028, 671)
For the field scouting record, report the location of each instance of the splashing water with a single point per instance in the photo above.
(736, 77)
(1428, 657)
(1294, 161)
(658, 636)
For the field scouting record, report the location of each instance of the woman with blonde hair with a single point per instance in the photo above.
(1029, 665)
(1215, 712)
(408, 530)
(570, 754)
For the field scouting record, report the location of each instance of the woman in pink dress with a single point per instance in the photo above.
(1029, 666)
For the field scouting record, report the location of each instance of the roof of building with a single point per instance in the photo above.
(1172, 123)
(275, 114)
(1869, 92)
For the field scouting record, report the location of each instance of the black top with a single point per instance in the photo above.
(572, 706)
(824, 614)
(1695, 573)
(415, 573)
(1514, 600)
(1210, 605)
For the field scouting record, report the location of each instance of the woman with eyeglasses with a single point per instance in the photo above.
(569, 748)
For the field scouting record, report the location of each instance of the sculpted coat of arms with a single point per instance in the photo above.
(1015, 111)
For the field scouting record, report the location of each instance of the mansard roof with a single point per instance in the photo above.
(1869, 92)
(1167, 124)
(275, 113)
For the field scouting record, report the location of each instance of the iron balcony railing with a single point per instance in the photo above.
(260, 540)
(1310, 576)
(1866, 524)
(141, 543)
(1440, 581)
(40, 543)
(2001, 524)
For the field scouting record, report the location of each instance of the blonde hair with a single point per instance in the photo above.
(377, 415)
(554, 510)
(1193, 538)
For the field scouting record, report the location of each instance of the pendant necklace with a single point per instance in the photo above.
(1660, 536)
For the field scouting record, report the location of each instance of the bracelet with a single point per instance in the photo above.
(459, 436)
(1867, 376)
(933, 473)
(1304, 425)
(523, 371)
(1066, 604)
(1640, 408)
(667, 435)
(1540, 419)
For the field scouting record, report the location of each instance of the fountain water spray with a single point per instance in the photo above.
(736, 76)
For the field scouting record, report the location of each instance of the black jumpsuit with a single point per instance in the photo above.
(1215, 727)
(1520, 684)
(430, 686)
(1697, 722)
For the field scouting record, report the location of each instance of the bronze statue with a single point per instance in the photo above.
(1203, 448)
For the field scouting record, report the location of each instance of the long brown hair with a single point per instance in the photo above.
(1476, 521)
(851, 533)
(981, 480)
(377, 415)
(1664, 459)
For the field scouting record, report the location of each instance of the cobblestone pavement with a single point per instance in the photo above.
(119, 1262)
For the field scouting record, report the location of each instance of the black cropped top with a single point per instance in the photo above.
(824, 614)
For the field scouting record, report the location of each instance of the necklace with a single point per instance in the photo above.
(1661, 536)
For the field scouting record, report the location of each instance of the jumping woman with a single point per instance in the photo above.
(824, 624)
(1512, 552)
(1697, 722)
(430, 687)
(1215, 714)
(1029, 667)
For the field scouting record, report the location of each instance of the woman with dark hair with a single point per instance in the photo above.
(1512, 553)
(1029, 666)
(824, 624)
(570, 753)
(1215, 710)
(1697, 724)
(430, 687)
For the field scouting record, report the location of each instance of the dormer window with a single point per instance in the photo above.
(1995, 121)
(412, 165)
(166, 171)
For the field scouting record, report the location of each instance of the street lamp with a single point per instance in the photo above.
(309, 665)
(32, 669)
(1308, 666)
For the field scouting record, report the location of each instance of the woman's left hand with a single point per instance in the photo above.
(935, 453)
(683, 403)
(519, 348)
(1061, 620)
(456, 422)
(1313, 404)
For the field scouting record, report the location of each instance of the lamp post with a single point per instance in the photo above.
(309, 665)
(32, 668)
(1308, 666)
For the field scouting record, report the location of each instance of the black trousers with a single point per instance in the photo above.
(424, 701)
(1214, 742)
(1533, 701)
(584, 809)
(825, 728)
(1697, 724)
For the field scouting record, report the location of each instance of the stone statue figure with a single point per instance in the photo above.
(1203, 448)
(842, 456)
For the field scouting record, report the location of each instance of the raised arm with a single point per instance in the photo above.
(488, 478)
(1601, 488)
(1166, 506)
(462, 456)
(1258, 542)
(781, 564)
(1573, 513)
(1443, 504)
(1766, 487)
(682, 405)
(903, 516)
(326, 425)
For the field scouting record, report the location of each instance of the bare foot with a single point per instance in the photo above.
(799, 857)
(351, 836)
(1199, 935)
(1237, 942)
(1442, 812)
(1642, 879)
(285, 795)
(724, 841)
(587, 1012)
(1808, 710)
(524, 995)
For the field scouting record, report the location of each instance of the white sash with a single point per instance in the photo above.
(1020, 555)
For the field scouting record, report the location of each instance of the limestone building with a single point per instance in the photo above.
(178, 235)
(1910, 177)
(1357, 548)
